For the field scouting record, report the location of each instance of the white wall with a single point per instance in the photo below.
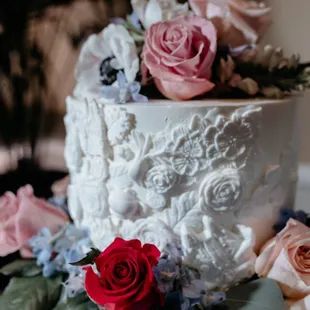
(291, 30)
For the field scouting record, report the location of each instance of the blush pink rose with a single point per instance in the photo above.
(60, 187)
(22, 216)
(239, 22)
(286, 259)
(179, 54)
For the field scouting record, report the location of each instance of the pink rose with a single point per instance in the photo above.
(286, 259)
(22, 216)
(239, 22)
(179, 54)
(60, 187)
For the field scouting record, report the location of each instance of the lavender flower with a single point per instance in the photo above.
(55, 253)
(60, 202)
(197, 294)
(49, 269)
(165, 273)
(41, 241)
(74, 285)
(134, 21)
(125, 92)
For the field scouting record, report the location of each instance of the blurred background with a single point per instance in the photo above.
(291, 25)
(39, 45)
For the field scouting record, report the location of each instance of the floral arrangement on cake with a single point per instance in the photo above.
(199, 49)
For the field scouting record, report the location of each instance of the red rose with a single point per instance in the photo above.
(125, 278)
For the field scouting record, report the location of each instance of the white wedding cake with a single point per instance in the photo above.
(199, 172)
(207, 175)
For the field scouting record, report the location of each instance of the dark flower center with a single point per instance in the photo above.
(108, 74)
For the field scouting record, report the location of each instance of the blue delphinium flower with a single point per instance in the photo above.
(41, 241)
(134, 21)
(125, 92)
(60, 202)
(211, 299)
(286, 214)
(49, 269)
(165, 274)
(56, 252)
(74, 285)
(196, 293)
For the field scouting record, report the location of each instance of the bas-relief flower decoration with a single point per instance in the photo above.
(147, 171)
(160, 178)
(119, 124)
(213, 141)
(155, 201)
(150, 230)
(186, 152)
(152, 11)
(221, 190)
(231, 140)
(103, 55)
(223, 260)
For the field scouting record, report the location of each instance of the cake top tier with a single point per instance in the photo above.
(200, 49)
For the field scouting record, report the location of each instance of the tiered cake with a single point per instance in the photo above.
(207, 175)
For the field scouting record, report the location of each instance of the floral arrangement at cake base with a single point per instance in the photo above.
(67, 272)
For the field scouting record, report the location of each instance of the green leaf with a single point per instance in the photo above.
(88, 259)
(36, 293)
(22, 268)
(80, 302)
(262, 294)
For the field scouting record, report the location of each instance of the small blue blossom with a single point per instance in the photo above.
(74, 285)
(286, 214)
(197, 293)
(165, 274)
(44, 256)
(41, 241)
(49, 269)
(134, 21)
(211, 299)
(60, 202)
(125, 92)
(56, 252)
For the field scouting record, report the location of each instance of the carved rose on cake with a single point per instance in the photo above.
(149, 230)
(221, 190)
(155, 201)
(160, 179)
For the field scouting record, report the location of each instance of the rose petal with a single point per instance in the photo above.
(185, 90)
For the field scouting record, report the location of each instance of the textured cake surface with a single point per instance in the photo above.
(209, 175)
